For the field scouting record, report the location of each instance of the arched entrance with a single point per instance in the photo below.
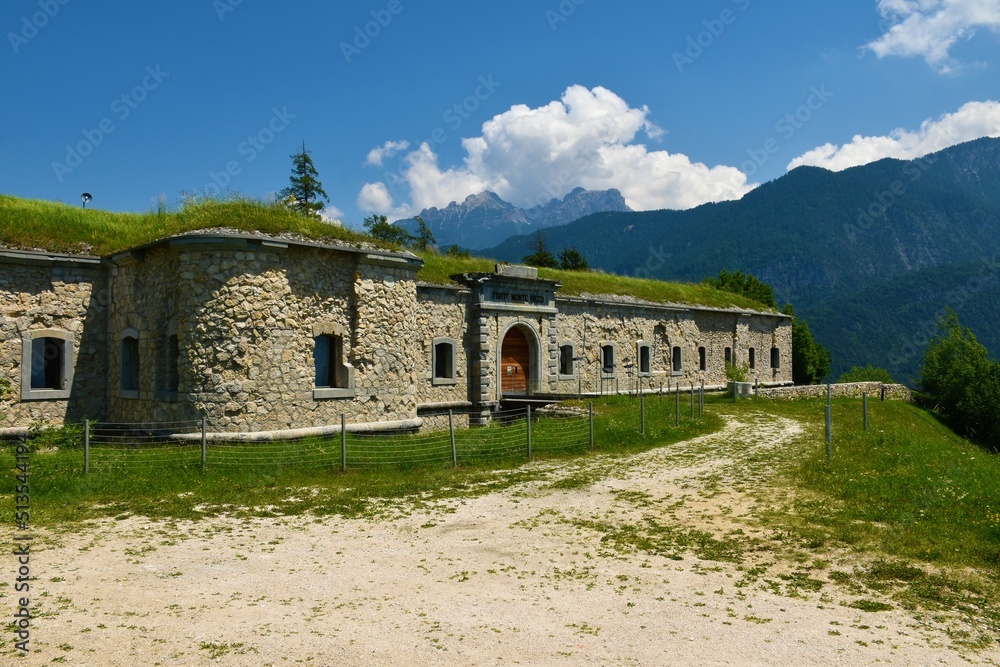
(515, 363)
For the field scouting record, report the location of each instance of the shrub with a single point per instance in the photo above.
(962, 383)
(867, 373)
(736, 373)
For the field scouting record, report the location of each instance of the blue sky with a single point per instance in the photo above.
(411, 103)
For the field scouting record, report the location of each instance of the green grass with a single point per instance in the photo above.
(438, 269)
(908, 487)
(33, 224)
(294, 478)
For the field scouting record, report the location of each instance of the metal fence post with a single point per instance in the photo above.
(204, 442)
(86, 446)
(642, 414)
(864, 406)
(701, 400)
(756, 389)
(677, 406)
(529, 432)
(451, 429)
(343, 442)
(591, 411)
(692, 400)
(829, 434)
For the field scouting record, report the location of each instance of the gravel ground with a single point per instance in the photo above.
(607, 561)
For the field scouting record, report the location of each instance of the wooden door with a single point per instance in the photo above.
(515, 367)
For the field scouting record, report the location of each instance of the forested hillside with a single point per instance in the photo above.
(869, 256)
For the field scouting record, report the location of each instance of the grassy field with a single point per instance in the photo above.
(305, 476)
(903, 516)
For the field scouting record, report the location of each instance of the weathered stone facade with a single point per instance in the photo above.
(259, 334)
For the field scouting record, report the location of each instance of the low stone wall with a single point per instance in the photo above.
(893, 392)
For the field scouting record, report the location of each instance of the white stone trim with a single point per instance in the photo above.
(69, 339)
(443, 380)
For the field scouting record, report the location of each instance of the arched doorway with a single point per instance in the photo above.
(515, 363)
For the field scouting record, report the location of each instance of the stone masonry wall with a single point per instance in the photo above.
(625, 324)
(66, 295)
(442, 313)
(246, 318)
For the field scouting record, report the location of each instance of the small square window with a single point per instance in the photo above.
(334, 376)
(326, 356)
(444, 361)
(46, 364)
(48, 357)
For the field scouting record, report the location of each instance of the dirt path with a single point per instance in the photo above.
(655, 559)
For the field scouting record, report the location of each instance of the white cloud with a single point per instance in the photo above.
(530, 155)
(375, 198)
(387, 150)
(972, 121)
(331, 214)
(930, 28)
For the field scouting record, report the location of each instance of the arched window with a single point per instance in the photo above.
(129, 370)
(608, 362)
(677, 362)
(644, 355)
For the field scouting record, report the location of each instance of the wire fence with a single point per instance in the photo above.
(450, 438)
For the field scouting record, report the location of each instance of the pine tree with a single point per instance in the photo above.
(425, 237)
(570, 259)
(541, 258)
(305, 195)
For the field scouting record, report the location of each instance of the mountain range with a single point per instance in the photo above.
(869, 256)
(485, 219)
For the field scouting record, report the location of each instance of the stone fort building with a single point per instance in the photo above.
(266, 334)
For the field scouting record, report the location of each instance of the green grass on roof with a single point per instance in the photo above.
(31, 224)
(438, 268)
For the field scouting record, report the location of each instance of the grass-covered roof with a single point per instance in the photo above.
(55, 227)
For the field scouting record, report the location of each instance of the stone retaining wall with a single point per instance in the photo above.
(893, 392)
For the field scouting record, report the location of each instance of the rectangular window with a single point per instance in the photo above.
(566, 360)
(334, 376)
(46, 364)
(729, 355)
(47, 359)
(173, 363)
(702, 359)
(644, 359)
(608, 359)
(327, 355)
(752, 358)
(676, 362)
(444, 361)
(775, 358)
(130, 364)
